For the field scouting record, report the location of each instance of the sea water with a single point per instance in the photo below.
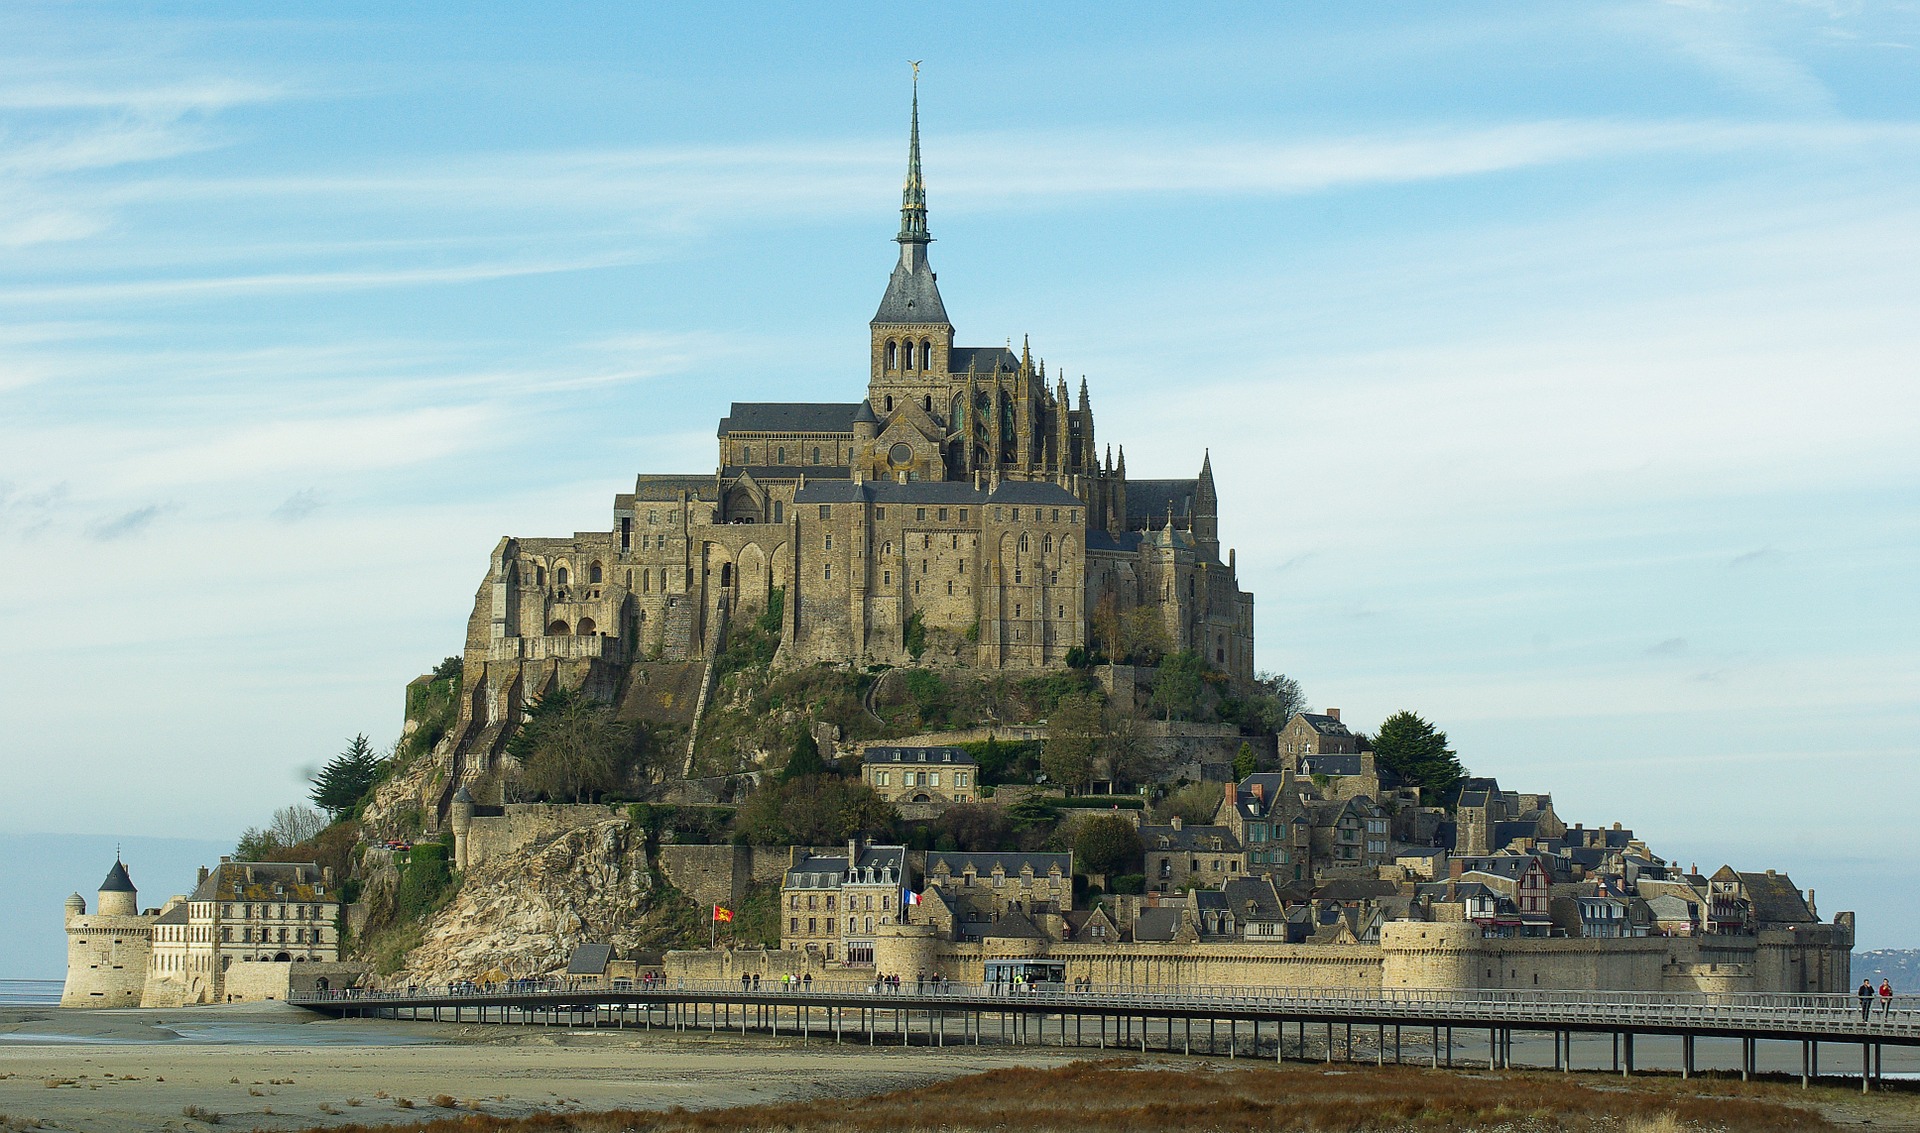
(30, 993)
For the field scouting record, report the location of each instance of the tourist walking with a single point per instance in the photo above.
(1886, 997)
(807, 982)
(1866, 999)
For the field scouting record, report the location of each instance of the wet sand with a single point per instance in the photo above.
(275, 1067)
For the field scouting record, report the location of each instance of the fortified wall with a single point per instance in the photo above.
(1418, 955)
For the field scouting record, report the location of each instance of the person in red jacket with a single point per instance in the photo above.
(1886, 997)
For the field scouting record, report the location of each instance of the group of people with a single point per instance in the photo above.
(750, 981)
(1866, 994)
(892, 983)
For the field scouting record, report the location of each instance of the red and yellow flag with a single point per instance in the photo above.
(722, 914)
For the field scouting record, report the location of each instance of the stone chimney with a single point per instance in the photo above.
(1333, 713)
(203, 876)
(1176, 822)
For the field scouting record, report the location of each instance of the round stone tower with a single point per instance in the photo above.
(107, 951)
(1437, 955)
(460, 818)
(118, 897)
(905, 949)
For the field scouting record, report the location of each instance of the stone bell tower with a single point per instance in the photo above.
(911, 338)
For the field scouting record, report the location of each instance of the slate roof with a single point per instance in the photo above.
(666, 488)
(1260, 894)
(1355, 889)
(117, 880)
(589, 959)
(1325, 725)
(912, 296)
(1148, 500)
(829, 871)
(1775, 899)
(1126, 541)
(786, 471)
(1332, 764)
(175, 915)
(1012, 925)
(983, 359)
(953, 755)
(789, 417)
(1032, 492)
(1156, 926)
(261, 881)
(888, 492)
(1190, 839)
(1011, 863)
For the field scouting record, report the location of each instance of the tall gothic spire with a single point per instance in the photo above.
(913, 198)
(912, 295)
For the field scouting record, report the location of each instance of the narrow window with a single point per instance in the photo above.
(816, 454)
(826, 572)
(893, 355)
(825, 511)
(926, 357)
(889, 403)
(782, 450)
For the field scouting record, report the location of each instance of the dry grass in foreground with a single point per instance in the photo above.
(1131, 1097)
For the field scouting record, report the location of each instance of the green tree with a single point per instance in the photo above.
(1179, 686)
(1243, 762)
(571, 748)
(1273, 700)
(1418, 753)
(1073, 735)
(1195, 804)
(819, 810)
(1107, 845)
(346, 778)
(803, 758)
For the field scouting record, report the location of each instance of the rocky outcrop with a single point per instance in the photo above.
(521, 914)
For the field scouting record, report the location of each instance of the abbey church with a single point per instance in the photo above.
(961, 513)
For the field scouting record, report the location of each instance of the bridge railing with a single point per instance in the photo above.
(1518, 1007)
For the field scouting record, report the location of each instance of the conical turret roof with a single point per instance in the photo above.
(117, 880)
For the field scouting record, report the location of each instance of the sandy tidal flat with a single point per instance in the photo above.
(274, 1067)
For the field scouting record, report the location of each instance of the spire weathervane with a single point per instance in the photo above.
(913, 199)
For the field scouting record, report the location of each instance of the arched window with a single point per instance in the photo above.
(783, 455)
(927, 403)
(585, 628)
(926, 355)
(646, 582)
(560, 576)
(779, 511)
(906, 357)
(893, 355)
(1023, 544)
(816, 454)
(1046, 545)
(889, 403)
(558, 628)
(593, 573)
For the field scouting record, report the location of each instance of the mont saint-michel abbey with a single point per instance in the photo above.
(963, 510)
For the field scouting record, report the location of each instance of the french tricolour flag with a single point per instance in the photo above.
(909, 898)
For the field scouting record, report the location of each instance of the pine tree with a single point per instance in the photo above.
(346, 778)
(1418, 753)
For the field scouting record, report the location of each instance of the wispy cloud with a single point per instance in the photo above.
(126, 524)
(298, 506)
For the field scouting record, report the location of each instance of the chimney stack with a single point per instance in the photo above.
(1176, 821)
(1333, 713)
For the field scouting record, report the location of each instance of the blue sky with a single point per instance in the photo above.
(1556, 361)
